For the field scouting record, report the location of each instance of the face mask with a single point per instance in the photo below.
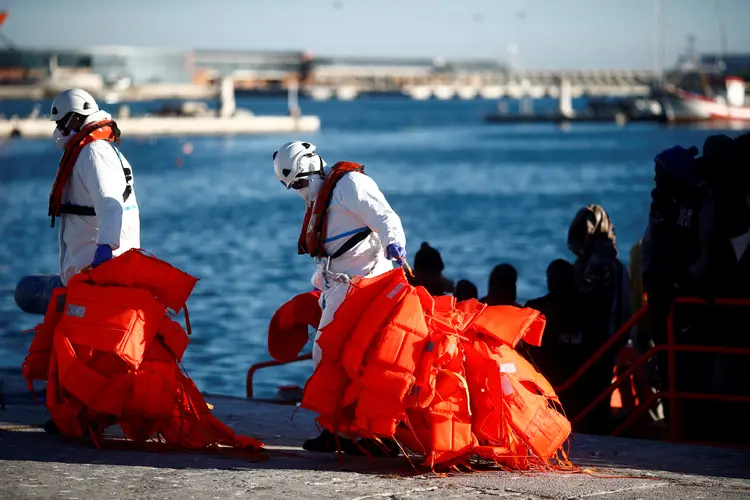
(60, 139)
(304, 193)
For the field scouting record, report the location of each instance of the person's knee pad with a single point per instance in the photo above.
(34, 292)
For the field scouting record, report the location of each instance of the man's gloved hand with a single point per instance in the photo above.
(676, 161)
(103, 254)
(396, 252)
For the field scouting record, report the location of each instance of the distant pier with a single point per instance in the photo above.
(227, 120)
(176, 126)
(344, 83)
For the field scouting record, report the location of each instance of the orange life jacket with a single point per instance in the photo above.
(105, 130)
(513, 403)
(288, 331)
(440, 376)
(36, 364)
(315, 223)
(334, 386)
(508, 325)
(114, 356)
(139, 269)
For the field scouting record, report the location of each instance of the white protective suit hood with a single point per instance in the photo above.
(61, 140)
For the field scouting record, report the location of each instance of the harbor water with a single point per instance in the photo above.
(481, 194)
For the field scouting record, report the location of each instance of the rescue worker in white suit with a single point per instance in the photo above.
(93, 195)
(349, 229)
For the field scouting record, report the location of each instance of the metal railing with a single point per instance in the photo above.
(670, 394)
(266, 364)
(614, 339)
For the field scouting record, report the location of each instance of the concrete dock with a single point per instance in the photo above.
(176, 126)
(34, 464)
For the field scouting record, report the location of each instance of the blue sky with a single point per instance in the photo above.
(550, 34)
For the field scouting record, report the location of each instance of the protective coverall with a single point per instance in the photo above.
(97, 181)
(356, 204)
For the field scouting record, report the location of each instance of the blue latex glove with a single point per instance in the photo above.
(396, 252)
(676, 162)
(103, 254)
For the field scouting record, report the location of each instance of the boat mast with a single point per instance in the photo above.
(659, 46)
(722, 37)
(4, 39)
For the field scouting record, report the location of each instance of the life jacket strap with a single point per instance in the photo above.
(352, 242)
(71, 209)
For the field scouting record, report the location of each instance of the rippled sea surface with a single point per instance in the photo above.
(481, 194)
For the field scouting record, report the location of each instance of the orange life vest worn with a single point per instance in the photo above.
(314, 224)
(105, 130)
(114, 356)
(440, 376)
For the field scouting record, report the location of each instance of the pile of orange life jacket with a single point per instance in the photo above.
(439, 376)
(109, 350)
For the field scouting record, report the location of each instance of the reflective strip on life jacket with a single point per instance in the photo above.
(345, 234)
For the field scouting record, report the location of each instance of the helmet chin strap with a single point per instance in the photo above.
(321, 166)
(319, 170)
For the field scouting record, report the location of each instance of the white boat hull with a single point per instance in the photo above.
(682, 106)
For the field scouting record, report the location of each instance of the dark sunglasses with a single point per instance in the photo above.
(300, 181)
(297, 184)
(63, 123)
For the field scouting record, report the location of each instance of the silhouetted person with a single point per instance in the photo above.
(562, 351)
(699, 255)
(560, 305)
(428, 271)
(603, 283)
(502, 287)
(465, 290)
(730, 273)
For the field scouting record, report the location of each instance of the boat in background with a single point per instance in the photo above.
(700, 97)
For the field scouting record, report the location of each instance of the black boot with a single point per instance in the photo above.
(371, 447)
(51, 427)
(326, 443)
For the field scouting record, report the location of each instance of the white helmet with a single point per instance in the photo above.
(295, 161)
(75, 101)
